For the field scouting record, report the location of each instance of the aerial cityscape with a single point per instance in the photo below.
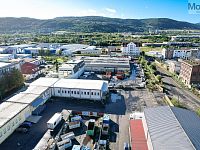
(100, 75)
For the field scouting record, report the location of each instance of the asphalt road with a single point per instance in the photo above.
(173, 89)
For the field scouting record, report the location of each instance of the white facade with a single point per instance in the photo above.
(184, 54)
(73, 69)
(131, 50)
(76, 88)
(7, 67)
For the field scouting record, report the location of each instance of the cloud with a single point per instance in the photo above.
(110, 10)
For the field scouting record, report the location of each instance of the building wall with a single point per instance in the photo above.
(78, 93)
(190, 74)
(131, 50)
(9, 67)
(13, 124)
(185, 73)
(91, 52)
(184, 54)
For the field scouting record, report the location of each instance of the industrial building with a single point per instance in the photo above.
(95, 89)
(73, 69)
(104, 64)
(17, 109)
(169, 128)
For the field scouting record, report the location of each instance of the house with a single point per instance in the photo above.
(30, 70)
(130, 49)
(190, 72)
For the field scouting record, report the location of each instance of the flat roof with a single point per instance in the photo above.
(23, 98)
(10, 109)
(81, 84)
(138, 140)
(3, 64)
(44, 82)
(36, 90)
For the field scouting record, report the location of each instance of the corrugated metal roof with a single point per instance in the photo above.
(190, 122)
(138, 140)
(165, 130)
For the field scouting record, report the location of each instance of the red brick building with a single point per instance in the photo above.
(190, 72)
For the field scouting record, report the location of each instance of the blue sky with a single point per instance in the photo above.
(136, 9)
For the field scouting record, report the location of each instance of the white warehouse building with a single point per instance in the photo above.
(17, 109)
(73, 88)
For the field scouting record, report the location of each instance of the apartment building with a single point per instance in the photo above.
(130, 49)
(190, 72)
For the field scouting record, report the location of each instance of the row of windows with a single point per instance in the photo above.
(9, 126)
(77, 92)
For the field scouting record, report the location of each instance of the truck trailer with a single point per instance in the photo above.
(54, 121)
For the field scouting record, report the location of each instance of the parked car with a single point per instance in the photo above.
(26, 125)
(22, 130)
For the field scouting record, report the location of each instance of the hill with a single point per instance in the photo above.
(89, 24)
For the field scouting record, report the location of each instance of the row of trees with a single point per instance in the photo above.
(10, 81)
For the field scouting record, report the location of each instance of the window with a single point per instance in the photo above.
(74, 92)
(88, 93)
(77, 92)
(85, 93)
(58, 91)
(16, 121)
(68, 92)
(62, 91)
(8, 128)
(97, 93)
(91, 93)
(65, 91)
(94, 93)
(82, 93)
(4, 131)
(13, 123)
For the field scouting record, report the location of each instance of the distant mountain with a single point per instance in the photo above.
(89, 24)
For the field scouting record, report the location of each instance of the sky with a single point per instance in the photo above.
(132, 9)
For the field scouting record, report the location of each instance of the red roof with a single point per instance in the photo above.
(29, 68)
(138, 140)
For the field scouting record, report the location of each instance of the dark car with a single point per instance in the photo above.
(26, 125)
